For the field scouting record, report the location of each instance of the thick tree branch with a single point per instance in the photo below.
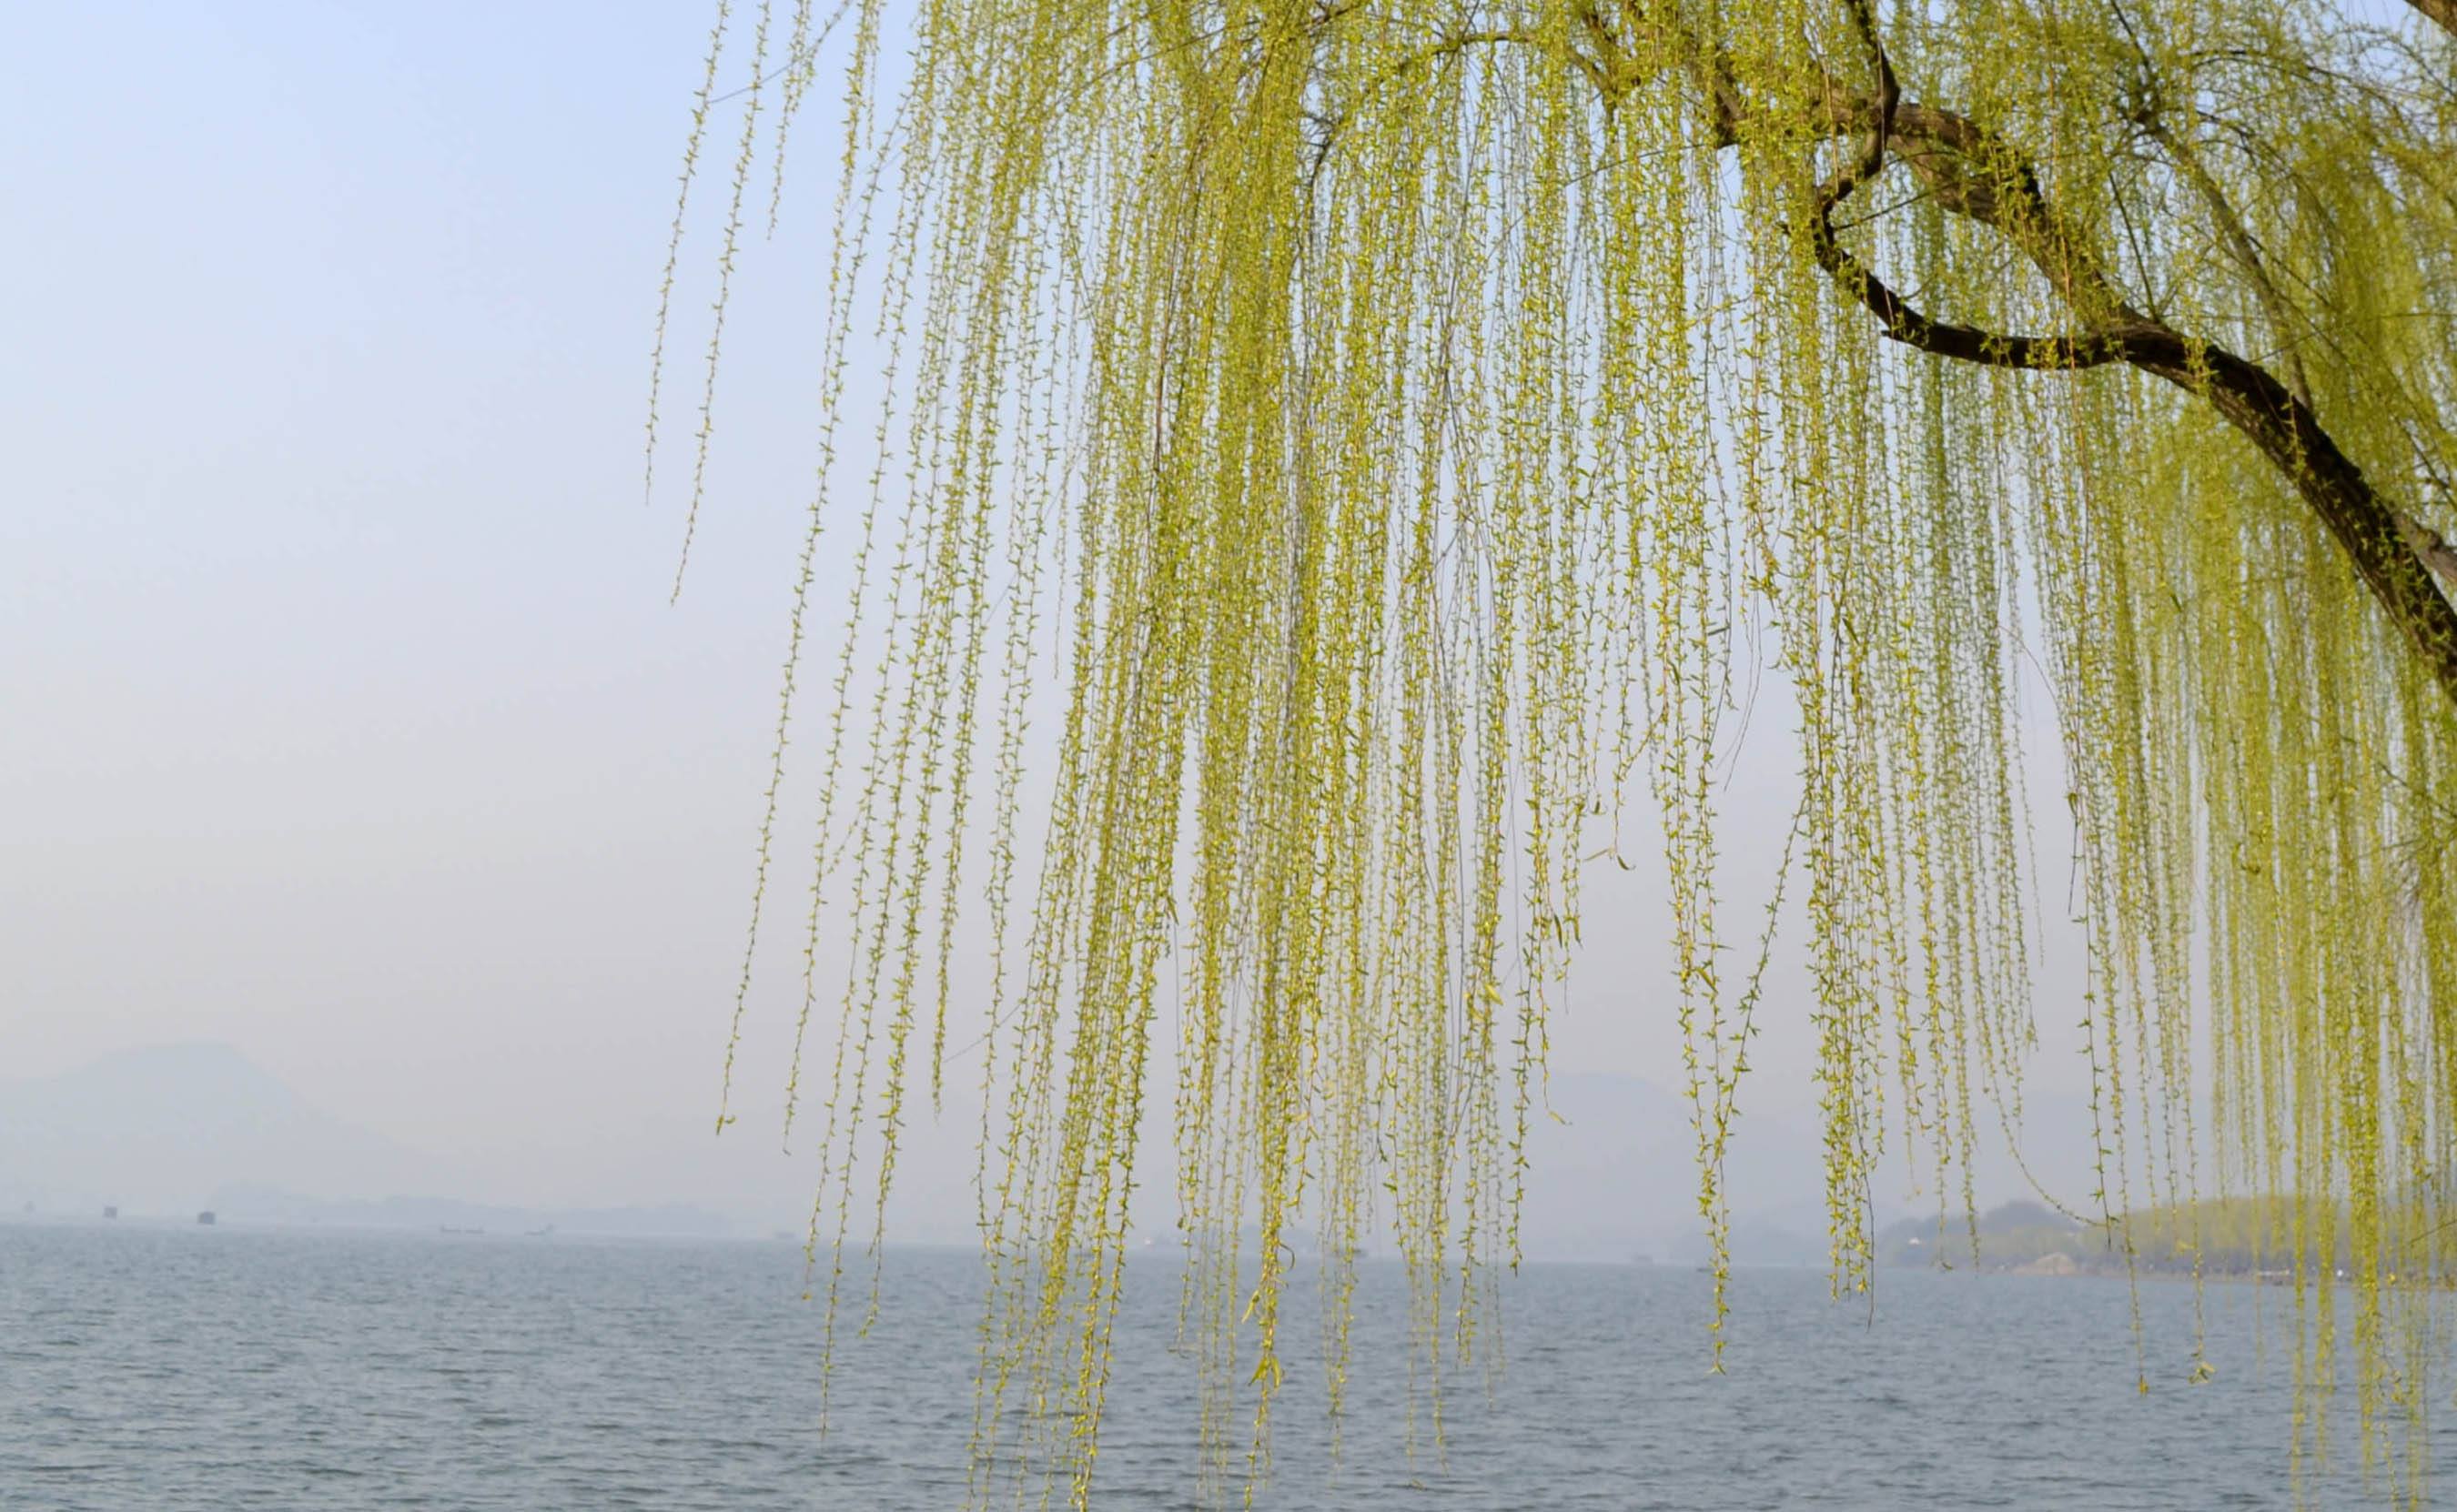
(2380, 542)
(2436, 552)
(1971, 172)
(2420, 538)
(1880, 118)
(1977, 177)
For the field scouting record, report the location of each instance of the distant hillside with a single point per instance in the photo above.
(1619, 1176)
(161, 1129)
(176, 1129)
(2234, 1236)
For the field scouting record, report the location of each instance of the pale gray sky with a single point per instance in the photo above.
(345, 717)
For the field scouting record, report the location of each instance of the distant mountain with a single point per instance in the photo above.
(246, 1203)
(178, 1128)
(2214, 1235)
(161, 1129)
(1617, 1176)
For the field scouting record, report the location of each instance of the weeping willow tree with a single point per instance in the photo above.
(1365, 450)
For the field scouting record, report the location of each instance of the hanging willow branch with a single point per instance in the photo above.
(1334, 462)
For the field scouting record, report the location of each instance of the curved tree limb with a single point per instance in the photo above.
(2431, 545)
(1971, 172)
(1974, 175)
(2425, 543)
(1901, 321)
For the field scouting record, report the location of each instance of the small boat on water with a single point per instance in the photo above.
(111, 1212)
(206, 1218)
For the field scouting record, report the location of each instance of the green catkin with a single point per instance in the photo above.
(1352, 450)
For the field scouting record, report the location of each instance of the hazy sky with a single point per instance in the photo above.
(346, 718)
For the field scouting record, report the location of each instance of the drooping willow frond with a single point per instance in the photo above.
(1359, 446)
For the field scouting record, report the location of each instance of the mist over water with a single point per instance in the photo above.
(178, 1368)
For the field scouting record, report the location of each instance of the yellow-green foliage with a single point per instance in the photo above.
(1367, 444)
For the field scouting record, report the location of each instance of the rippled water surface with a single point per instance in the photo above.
(176, 1368)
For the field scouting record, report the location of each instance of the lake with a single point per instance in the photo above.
(171, 1367)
